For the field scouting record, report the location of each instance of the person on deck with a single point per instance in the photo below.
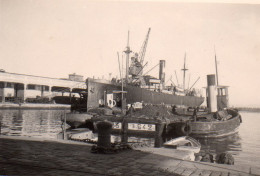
(195, 113)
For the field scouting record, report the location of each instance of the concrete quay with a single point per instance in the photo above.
(37, 156)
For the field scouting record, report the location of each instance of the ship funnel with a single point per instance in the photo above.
(161, 72)
(211, 93)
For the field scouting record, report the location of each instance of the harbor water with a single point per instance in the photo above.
(244, 145)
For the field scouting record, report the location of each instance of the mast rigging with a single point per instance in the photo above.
(216, 65)
(184, 71)
(127, 51)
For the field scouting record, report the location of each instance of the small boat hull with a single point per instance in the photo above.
(77, 120)
(81, 134)
(207, 125)
(215, 129)
(184, 143)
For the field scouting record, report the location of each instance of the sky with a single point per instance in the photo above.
(54, 38)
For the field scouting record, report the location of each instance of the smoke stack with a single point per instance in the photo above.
(161, 72)
(212, 93)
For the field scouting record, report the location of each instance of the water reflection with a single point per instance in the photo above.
(35, 123)
(244, 145)
(219, 145)
(48, 123)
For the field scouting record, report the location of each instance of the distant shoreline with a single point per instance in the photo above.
(248, 109)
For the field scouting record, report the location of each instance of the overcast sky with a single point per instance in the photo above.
(58, 37)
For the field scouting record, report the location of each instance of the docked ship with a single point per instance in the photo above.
(137, 87)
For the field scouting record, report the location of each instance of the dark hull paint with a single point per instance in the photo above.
(96, 91)
(215, 129)
(77, 120)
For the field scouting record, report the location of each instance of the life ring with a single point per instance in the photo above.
(114, 103)
(110, 103)
(185, 129)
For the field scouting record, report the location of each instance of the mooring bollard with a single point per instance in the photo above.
(124, 138)
(158, 142)
(159, 127)
(104, 134)
(64, 126)
(124, 125)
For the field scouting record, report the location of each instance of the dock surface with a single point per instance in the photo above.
(35, 156)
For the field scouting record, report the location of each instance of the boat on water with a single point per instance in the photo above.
(211, 125)
(184, 143)
(77, 120)
(112, 97)
(101, 93)
(137, 87)
(218, 121)
(224, 125)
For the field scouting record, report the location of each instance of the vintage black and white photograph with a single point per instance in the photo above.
(130, 88)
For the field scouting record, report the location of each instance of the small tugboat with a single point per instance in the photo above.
(227, 123)
(184, 143)
(219, 121)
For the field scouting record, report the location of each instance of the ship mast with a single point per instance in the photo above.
(216, 65)
(184, 70)
(127, 51)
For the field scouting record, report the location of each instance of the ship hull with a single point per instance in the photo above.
(97, 90)
(207, 125)
(215, 129)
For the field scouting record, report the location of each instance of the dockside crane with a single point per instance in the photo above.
(143, 48)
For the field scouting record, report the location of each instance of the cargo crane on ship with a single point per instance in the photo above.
(101, 103)
(136, 86)
(137, 65)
